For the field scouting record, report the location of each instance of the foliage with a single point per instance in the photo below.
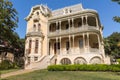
(111, 44)
(118, 1)
(97, 67)
(116, 18)
(6, 64)
(118, 60)
(8, 23)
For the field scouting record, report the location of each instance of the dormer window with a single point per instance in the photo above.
(66, 11)
(37, 13)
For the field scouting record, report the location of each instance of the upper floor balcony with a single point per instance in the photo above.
(76, 25)
(73, 30)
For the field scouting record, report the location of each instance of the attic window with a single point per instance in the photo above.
(37, 13)
(66, 11)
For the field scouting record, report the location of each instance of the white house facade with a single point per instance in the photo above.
(70, 35)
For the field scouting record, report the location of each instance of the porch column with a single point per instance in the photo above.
(84, 42)
(48, 47)
(73, 42)
(98, 41)
(56, 26)
(32, 46)
(86, 20)
(60, 26)
(72, 23)
(88, 42)
(56, 45)
(82, 20)
(70, 43)
(97, 22)
(48, 28)
(69, 23)
(60, 45)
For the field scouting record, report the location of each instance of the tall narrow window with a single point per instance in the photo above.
(34, 27)
(67, 45)
(39, 27)
(36, 46)
(30, 45)
(81, 43)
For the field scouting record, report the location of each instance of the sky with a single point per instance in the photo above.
(105, 8)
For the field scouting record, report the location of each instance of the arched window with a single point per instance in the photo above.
(34, 27)
(65, 61)
(30, 45)
(39, 27)
(96, 60)
(36, 46)
(80, 60)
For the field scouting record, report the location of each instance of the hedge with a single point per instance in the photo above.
(97, 67)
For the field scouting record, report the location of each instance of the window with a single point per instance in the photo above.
(65, 61)
(39, 27)
(28, 60)
(37, 13)
(80, 43)
(67, 45)
(36, 46)
(35, 58)
(30, 45)
(34, 27)
(80, 60)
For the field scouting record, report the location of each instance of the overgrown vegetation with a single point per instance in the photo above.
(97, 67)
(6, 64)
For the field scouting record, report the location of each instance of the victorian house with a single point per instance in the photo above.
(70, 35)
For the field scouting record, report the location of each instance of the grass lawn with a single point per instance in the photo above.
(66, 75)
(7, 71)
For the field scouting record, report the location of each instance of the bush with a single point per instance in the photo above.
(6, 64)
(118, 60)
(97, 67)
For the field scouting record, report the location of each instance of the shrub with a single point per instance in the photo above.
(97, 67)
(118, 60)
(6, 64)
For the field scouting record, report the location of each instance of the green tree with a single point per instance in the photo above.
(116, 18)
(112, 45)
(8, 21)
(8, 24)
